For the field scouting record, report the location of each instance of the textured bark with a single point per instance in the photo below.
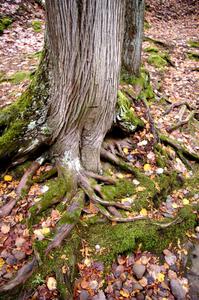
(134, 21)
(85, 41)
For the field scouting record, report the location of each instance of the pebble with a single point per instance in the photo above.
(177, 289)
(139, 270)
(84, 295)
(117, 285)
(118, 271)
(11, 260)
(137, 286)
(99, 296)
(93, 284)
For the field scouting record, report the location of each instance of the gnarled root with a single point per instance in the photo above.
(70, 219)
(22, 275)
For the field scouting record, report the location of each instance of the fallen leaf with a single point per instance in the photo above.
(7, 178)
(185, 201)
(147, 167)
(143, 212)
(125, 294)
(5, 228)
(160, 277)
(51, 283)
(2, 262)
(140, 189)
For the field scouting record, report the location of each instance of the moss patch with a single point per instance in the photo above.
(193, 56)
(157, 60)
(151, 49)
(36, 24)
(193, 44)
(4, 23)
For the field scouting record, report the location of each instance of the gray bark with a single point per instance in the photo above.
(85, 42)
(134, 21)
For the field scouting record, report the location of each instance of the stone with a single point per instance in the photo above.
(117, 285)
(118, 271)
(177, 289)
(11, 260)
(139, 270)
(84, 295)
(99, 296)
(137, 286)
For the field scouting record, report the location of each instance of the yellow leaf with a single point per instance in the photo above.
(45, 230)
(160, 277)
(174, 205)
(140, 189)
(185, 201)
(143, 212)
(7, 178)
(125, 294)
(126, 151)
(147, 167)
(2, 262)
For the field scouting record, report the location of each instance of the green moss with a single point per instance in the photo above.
(18, 77)
(151, 49)
(157, 61)
(193, 44)
(36, 24)
(57, 190)
(4, 23)
(122, 238)
(126, 115)
(193, 56)
(146, 25)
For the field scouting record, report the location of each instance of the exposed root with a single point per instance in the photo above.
(115, 146)
(181, 123)
(119, 219)
(22, 275)
(168, 141)
(105, 179)
(177, 104)
(151, 122)
(84, 184)
(23, 187)
(70, 219)
(114, 211)
(165, 225)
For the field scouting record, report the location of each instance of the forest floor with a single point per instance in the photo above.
(170, 54)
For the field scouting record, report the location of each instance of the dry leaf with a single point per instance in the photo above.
(5, 228)
(125, 150)
(147, 167)
(51, 283)
(143, 212)
(140, 189)
(185, 201)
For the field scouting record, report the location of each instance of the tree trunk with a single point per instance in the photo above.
(85, 41)
(134, 20)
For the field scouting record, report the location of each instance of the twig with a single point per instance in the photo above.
(165, 225)
(177, 104)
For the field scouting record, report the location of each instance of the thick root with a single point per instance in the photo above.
(22, 275)
(70, 219)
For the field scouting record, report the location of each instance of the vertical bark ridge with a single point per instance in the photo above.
(86, 41)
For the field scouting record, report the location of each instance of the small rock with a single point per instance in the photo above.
(11, 260)
(4, 253)
(137, 286)
(139, 270)
(97, 247)
(118, 271)
(84, 295)
(19, 255)
(160, 171)
(123, 277)
(177, 289)
(117, 285)
(140, 297)
(99, 296)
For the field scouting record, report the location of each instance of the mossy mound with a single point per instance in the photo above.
(151, 49)
(193, 56)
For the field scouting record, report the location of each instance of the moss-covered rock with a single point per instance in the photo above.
(193, 44)
(157, 60)
(151, 49)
